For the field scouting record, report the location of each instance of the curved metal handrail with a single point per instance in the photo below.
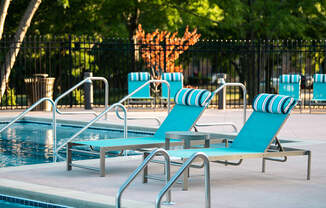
(142, 118)
(224, 85)
(138, 89)
(31, 108)
(87, 80)
(183, 168)
(125, 131)
(140, 168)
(26, 111)
(219, 124)
(244, 91)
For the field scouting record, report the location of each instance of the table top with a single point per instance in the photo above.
(186, 135)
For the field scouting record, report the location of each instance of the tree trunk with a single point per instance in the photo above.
(4, 9)
(15, 46)
(132, 21)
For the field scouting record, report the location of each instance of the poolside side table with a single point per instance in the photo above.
(187, 137)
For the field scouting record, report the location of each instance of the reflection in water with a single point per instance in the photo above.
(32, 143)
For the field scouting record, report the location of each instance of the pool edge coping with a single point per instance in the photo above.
(227, 135)
(101, 123)
(62, 196)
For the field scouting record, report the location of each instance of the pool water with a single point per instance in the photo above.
(32, 143)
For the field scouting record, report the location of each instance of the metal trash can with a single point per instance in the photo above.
(39, 86)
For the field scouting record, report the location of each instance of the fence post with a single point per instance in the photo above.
(70, 66)
(88, 91)
(221, 94)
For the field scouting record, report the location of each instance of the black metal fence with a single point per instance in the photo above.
(257, 64)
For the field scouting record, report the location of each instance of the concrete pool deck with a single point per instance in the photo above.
(283, 184)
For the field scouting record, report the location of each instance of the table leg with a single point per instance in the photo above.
(102, 162)
(145, 171)
(69, 157)
(185, 179)
(167, 143)
(186, 145)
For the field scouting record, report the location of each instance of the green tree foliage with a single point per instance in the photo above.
(223, 19)
(272, 19)
(9, 97)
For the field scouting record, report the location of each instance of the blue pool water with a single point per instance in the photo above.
(32, 142)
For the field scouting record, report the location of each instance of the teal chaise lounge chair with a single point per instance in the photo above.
(319, 89)
(189, 106)
(135, 80)
(289, 84)
(176, 83)
(256, 138)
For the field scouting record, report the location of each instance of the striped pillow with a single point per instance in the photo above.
(139, 76)
(193, 97)
(290, 78)
(320, 78)
(272, 103)
(172, 77)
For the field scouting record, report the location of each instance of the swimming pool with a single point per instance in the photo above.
(31, 142)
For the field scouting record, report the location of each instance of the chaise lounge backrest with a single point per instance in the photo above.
(190, 103)
(176, 83)
(289, 84)
(319, 87)
(135, 80)
(270, 112)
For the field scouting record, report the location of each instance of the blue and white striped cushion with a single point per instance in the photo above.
(290, 78)
(194, 97)
(272, 103)
(139, 76)
(172, 77)
(320, 78)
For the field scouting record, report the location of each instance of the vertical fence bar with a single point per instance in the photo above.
(164, 61)
(70, 59)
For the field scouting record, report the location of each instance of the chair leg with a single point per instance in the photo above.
(301, 103)
(263, 166)
(69, 157)
(226, 145)
(309, 165)
(102, 162)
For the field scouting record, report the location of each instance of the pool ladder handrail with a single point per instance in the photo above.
(86, 80)
(114, 106)
(141, 167)
(169, 182)
(138, 89)
(224, 85)
(180, 172)
(55, 109)
(21, 115)
(119, 103)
